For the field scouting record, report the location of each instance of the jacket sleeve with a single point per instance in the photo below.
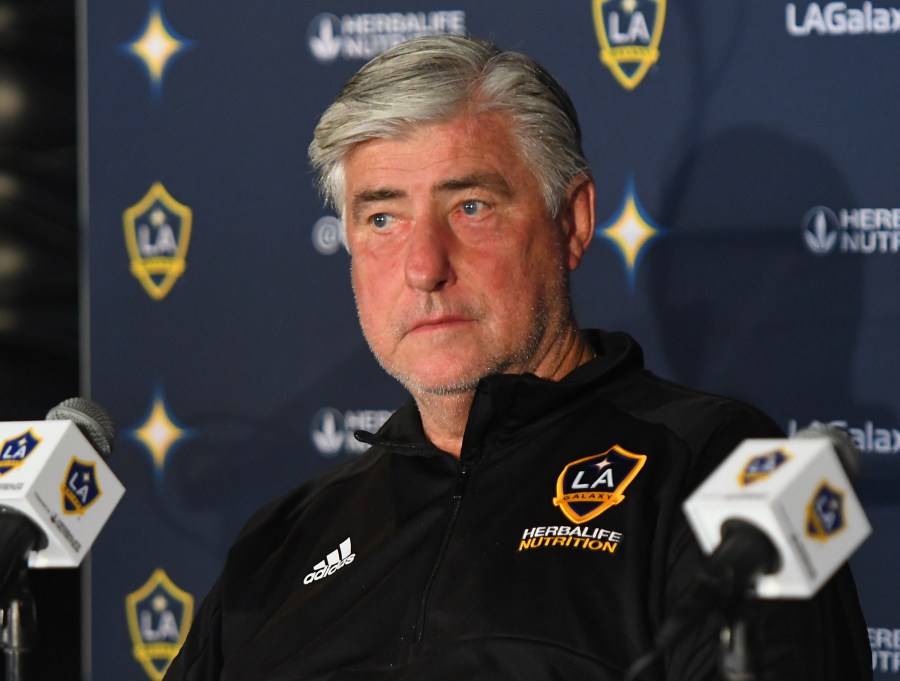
(821, 639)
(200, 658)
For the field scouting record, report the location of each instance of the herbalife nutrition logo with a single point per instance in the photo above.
(333, 562)
(820, 227)
(331, 431)
(363, 36)
(852, 230)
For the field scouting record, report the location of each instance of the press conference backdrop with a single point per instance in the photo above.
(747, 160)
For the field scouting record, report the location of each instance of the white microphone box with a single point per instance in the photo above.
(50, 473)
(797, 492)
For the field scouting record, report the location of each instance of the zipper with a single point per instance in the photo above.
(462, 478)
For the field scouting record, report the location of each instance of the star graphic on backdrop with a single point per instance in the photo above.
(631, 229)
(156, 45)
(159, 432)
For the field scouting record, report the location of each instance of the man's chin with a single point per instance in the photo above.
(440, 384)
(444, 390)
(446, 373)
(438, 388)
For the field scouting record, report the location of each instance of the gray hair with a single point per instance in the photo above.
(433, 79)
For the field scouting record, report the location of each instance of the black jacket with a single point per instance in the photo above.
(553, 549)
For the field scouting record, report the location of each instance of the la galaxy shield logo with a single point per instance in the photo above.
(15, 450)
(629, 33)
(762, 466)
(157, 234)
(825, 513)
(80, 488)
(159, 617)
(589, 486)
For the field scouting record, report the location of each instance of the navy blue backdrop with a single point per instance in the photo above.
(747, 165)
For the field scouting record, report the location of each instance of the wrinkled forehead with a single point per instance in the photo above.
(484, 134)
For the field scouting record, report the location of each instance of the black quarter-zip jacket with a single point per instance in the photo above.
(407, 563)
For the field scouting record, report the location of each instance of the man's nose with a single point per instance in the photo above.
(428, 262)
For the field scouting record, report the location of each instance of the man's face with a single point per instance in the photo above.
(457, 269)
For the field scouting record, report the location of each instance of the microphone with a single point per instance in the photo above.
(56, 490)
(778, 517)
(92, 420)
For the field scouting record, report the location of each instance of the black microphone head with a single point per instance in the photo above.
(92, 420)
(847, 451)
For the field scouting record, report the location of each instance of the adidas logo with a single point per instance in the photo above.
(333, 562)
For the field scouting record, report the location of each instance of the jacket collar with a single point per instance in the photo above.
(506, 404)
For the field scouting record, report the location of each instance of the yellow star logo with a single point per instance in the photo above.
(630, 230)
(159, 432)
(156, 45)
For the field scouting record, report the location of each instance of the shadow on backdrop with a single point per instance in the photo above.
(743, 307)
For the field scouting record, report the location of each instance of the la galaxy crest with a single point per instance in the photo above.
(159, 617)
(15, 450)
(589, 486)
(80, 488)
(629, 33)
(762, 466)
(157, 234)
(825, 514)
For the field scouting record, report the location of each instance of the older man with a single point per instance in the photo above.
(519, 517)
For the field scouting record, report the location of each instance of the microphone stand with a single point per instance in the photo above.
(19, 536)
(735, 659)
(744, 553)
(723, 589)
(19, 633)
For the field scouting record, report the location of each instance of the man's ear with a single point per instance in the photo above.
(577, 218)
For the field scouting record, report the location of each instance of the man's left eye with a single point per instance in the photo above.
(380, 220)
(472, 206)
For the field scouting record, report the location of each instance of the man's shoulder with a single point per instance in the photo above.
(267, 528)
(697, 423)
(686, 409)
(700, 424)
(707, 424)
(692, 413)
(272, 519)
